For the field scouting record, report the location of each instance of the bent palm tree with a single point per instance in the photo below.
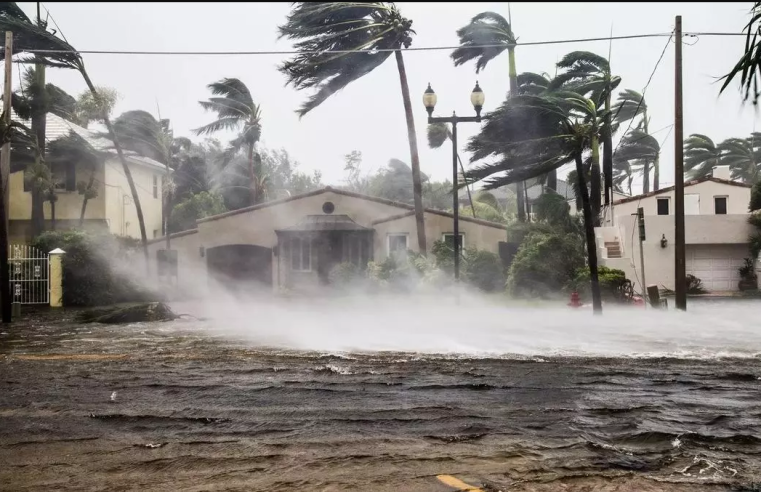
(639, 150)
(743, 156)
(487, 36)
(236, 111)
(438, 133)
(630, 105)
(544, 133)
(375, 28)
(701, 155)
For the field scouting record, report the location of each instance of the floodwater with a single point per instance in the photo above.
(386, 395)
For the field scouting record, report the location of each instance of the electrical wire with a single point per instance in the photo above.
(378, 50)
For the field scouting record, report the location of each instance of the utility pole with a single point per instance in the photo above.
(641, 219)
(680, 273)
(5, 171)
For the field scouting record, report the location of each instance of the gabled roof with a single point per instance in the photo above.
(408, 209)
(686, 184)
(57, 127)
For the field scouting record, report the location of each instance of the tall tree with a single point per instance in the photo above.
(533, 134)
(638, 150)
(487, 36)
(701, 155)
(338, 43)
(743, 156)
(236, 111)
(629, 106)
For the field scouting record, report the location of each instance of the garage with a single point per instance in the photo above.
(716, 264)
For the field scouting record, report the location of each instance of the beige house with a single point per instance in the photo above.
(296, 241)
(113, 210)
(716, 233)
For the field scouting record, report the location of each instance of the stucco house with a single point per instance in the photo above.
(716, 233)
(112, 210)
(295, 242)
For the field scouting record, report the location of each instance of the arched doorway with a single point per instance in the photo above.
(240, 264)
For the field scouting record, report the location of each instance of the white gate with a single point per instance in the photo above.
(29, 274)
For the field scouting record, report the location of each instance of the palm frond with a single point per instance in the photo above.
(485, 29)
(438, 133)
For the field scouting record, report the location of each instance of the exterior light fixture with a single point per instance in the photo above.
(477, 98)
(664, 241)
(429, 100)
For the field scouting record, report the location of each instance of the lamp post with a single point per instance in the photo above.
(429, 101)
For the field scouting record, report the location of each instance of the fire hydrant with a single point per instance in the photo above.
(575, 302)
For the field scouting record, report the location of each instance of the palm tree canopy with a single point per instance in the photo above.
(140, 132)
(586, 73)
(743, 156)
(438, 133)
(701, 155)
(532, 84)
(486, 36)
(749, 65)
(629, 105)
(376, 28)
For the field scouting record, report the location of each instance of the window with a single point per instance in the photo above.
(64, 176)
(663, 206)
(720, 205)
(397, 244)
(301, 254)
(449, 240)
(155, 186)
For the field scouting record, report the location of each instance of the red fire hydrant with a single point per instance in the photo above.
(575, 302)
(638, 301)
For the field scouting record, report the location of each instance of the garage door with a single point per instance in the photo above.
(716, 265)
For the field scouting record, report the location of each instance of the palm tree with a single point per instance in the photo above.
(543, 133)
(59, 53)
(749, 65)
(589, 74)
(638, 149)
(530, 83)
(236, 111)
(494, 31)
(438, 133)
(629, 106)
(743, 156)
(701, 155)
(338, 43)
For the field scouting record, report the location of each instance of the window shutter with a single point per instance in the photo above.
(71, 176)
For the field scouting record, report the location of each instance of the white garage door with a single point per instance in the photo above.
(716, 265)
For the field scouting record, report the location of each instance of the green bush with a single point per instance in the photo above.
(198, 206)
(755, 197)
(613, 284)
(483, 270)
(89, 278)
(346, 275)
(545, 264)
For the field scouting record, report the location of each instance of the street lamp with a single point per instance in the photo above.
(429, 101)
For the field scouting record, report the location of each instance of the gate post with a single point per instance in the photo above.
(56, 277)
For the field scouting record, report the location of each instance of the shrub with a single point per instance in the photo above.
(483, 270)
(695, 285)
(755, 197)
(346, 275)
(545, 264)
(614, 286)
(89, 276)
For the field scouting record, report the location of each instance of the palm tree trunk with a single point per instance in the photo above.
(607, 152)
(520, 186)
(252, 172)
(646, 177)
(90, 184)
(467, 186)
(595, 187)
(552, 180)
(52, 210)
(125, 168)
(656, 172)
(589, 230)
(417, 183)
(38, 129)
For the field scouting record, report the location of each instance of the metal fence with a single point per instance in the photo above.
(29, 274)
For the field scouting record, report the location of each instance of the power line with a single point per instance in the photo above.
(379, 50)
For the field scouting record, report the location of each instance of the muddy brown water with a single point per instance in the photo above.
(193, 410)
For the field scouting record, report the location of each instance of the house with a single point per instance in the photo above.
(295, 242)
(112, 210)
(716, 233)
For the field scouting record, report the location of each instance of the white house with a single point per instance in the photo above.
(716, 233)
(112, 210)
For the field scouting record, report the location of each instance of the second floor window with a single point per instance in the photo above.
(663, 206)
(720, 205)
(155, 186)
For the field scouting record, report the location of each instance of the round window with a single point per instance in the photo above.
(328, 207)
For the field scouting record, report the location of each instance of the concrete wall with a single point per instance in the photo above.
(120, 212)
(191, 266)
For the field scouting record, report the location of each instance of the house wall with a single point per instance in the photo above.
(120, 212)
(192, 276)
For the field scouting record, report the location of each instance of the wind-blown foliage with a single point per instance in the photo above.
(743, 156)
(748, 67)
(701, 155)
(73, 150)
(487, 29)
(438, 133)
(362, 36)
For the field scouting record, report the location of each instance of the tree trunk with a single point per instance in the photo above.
(467, 186)
(589, 230)
(252, 172)
(656, 172)
(52, 210)
(125, 168)
(417, 183)
(38, 129)
(607, 153)
(521, 186)
(552, 180)
(528, 205)
(595, 188)
(646, 177)
(84, 199)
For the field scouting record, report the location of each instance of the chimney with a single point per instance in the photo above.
(722, 172)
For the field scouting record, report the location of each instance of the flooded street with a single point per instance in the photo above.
(188, 405)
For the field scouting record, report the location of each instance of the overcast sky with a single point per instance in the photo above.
(368, 115)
